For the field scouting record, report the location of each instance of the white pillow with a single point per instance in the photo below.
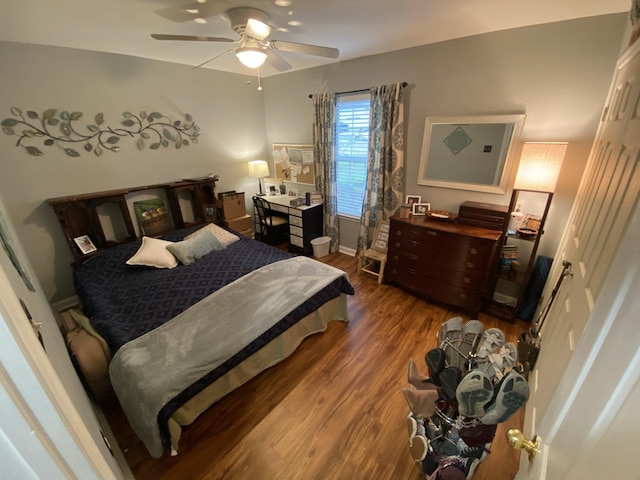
(225, 237)
(153, 253)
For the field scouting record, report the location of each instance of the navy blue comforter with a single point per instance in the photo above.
(124, 302)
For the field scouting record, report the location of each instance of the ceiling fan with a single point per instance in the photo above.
(253, 45)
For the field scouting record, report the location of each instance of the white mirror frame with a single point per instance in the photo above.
(516, 119)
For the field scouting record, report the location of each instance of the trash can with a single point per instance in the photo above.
(321, 246)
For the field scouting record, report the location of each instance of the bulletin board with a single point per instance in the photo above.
(294, 163)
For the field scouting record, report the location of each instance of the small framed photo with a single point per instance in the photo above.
(85, 244)
(411, 199)
(272, 188)
(420, 208)
(209, 212)
(293, 192)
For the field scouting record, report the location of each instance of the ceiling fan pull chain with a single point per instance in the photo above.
(259, 83)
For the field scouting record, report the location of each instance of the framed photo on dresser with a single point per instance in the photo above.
(420, 208)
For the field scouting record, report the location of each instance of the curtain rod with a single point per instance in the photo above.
(404, 84)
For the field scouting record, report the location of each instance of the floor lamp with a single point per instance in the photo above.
(259, 169)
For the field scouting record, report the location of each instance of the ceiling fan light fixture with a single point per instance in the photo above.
(252, 57)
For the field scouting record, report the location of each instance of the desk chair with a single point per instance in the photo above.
(269, 225)
(374, 259)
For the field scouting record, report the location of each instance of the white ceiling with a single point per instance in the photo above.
(356, 27)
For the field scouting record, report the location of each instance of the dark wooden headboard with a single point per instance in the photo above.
(79, 214)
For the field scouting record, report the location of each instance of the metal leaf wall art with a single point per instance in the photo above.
(65, 130)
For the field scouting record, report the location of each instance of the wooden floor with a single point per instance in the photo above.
(332, 410)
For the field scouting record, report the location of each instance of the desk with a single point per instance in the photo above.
(305, 222)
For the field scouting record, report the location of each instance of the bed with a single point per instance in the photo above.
(177, 339)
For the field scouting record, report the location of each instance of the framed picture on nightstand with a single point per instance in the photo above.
(85, 244)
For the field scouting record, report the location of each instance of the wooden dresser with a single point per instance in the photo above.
(443, 261)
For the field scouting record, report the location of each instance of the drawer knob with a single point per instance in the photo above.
(398, 233)
(432, 233)
(473, 251)
(395, 257)
(397, 245)
(463, 296)
(466, 280)
(471, 265)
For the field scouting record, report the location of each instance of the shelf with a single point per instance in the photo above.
(537, 205)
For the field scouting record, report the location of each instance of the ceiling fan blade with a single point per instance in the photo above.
(212, 59)
(160, 36)
(277, 62)
(189, 11)
(304, 48)
(257, 29)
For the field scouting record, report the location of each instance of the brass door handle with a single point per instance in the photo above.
(517, 440)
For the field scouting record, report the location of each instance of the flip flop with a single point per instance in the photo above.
(513, 393)
(474, 393)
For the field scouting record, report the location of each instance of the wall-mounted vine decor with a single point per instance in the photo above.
(63, 129)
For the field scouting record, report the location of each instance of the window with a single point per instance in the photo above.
(351, 146)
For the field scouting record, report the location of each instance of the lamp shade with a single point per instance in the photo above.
(258, 169)
(539, 166)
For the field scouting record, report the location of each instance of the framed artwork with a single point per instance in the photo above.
(411, 199)
(272, 188)
(85, 244)
(153, 216)
(381, 238)
(293, 192)
(420, 208)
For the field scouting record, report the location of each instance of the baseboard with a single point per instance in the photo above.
(347, 251)
(65, 304)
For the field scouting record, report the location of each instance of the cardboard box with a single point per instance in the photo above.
(232, 205)
(239, 224)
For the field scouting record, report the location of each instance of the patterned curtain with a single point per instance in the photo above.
(324, 112)
(385, 172)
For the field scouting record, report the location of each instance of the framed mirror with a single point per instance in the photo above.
(469, 153)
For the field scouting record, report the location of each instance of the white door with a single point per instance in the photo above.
(585, 387)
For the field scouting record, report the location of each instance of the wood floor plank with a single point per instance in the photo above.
(333, 410)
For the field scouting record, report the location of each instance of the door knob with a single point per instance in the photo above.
(517, 440)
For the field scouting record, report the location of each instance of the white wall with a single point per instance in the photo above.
(229, 112)
(558, 74)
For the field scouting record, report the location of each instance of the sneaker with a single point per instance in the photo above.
(513, 393)
(450, 335)
(474, 393)
(471, 332)
(478, 435)
(492, 338)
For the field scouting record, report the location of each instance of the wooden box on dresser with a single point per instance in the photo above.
(443, 261)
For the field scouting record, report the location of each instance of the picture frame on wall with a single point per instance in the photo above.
(420, 208)
(85, 244)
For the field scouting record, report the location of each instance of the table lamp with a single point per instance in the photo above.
(259, 169)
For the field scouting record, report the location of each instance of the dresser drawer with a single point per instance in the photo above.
(296, 221)
(454, 270)
(459, 292)
(445, 262)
